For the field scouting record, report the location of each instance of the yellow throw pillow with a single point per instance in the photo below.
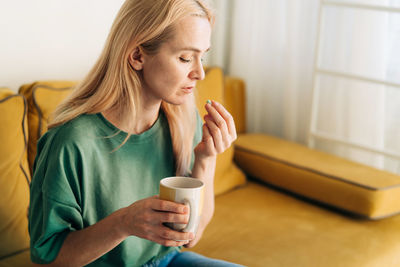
(42, 98)
(235, 101)
(14, 174)
(227, 174)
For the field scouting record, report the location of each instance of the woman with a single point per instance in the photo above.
(131, 122)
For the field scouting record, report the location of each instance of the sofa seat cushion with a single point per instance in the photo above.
(14, 174)
(259, 226)
(346, 185)
(21, 259)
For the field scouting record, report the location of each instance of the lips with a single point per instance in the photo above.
(188, 89)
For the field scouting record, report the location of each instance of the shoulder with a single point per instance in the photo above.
(62, 150)
(60, 154)
(78, 130)
(77, 134)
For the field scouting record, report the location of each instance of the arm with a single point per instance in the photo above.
(143, 218)
(86, 245)
(218, 134)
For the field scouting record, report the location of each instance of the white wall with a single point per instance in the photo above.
(51, 39)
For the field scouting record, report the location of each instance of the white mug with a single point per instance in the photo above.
(187, 191)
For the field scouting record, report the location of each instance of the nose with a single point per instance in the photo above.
(197, 72)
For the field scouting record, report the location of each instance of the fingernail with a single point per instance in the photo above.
(209, 101)
(191, 235)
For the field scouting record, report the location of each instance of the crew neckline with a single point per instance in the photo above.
(114, 132)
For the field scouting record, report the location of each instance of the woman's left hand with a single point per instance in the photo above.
(219, 131)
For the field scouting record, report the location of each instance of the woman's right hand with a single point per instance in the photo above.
(145, 219)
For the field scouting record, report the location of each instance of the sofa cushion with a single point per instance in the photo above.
(21, 259)
(14, 174)
(258, 226)
(227, 174)
(42, 98)
(320, 176)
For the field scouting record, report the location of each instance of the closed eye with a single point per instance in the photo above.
(184, 60)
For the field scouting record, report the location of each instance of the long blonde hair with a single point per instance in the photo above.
(113, 84)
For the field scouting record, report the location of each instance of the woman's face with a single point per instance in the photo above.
(172, 73)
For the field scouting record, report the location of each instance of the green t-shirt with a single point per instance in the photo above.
(78, 181)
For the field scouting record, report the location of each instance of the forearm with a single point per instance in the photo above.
(204, 169)
(218, 134)
(86, 245)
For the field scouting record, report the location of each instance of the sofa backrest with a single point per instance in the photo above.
(14, 174)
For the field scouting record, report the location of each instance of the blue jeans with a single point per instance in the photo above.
(188, 259)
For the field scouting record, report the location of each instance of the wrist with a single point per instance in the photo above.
(204, 165)
(204, 168)
(204, 160)
(122, 229)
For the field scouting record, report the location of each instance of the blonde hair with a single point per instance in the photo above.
(112, 84)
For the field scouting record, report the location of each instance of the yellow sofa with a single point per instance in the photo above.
(296, 207)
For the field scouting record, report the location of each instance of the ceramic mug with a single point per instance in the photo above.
(188, 191)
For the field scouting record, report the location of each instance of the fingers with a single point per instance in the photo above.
(216, 134)
(220, 126)
(171, 243)
(170, 217)
(222, 117)
(170, 238)
(165, 211)
(206, 134)
(169, 234)
(145, 218)
(165, 205)
(219, 121)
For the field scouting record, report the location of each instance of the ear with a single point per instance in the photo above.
(136, 58)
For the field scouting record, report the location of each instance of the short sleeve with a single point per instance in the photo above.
(55, 198)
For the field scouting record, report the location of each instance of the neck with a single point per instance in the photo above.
(148, 116)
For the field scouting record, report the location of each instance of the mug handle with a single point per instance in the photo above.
(192, 216)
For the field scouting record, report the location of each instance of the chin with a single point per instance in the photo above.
(179, 100)
(176, 103)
